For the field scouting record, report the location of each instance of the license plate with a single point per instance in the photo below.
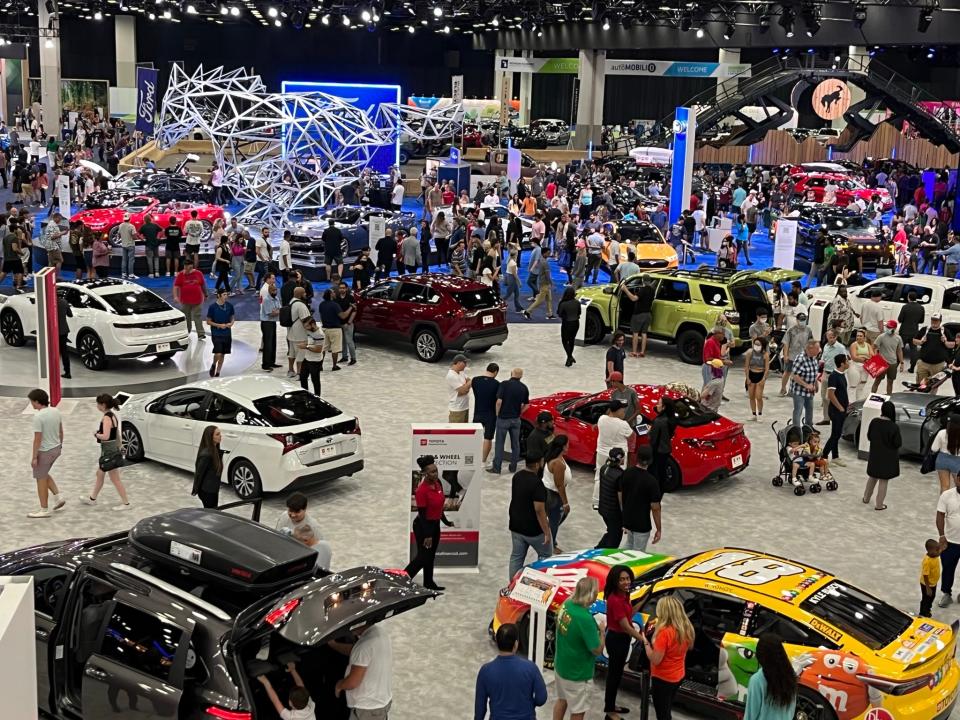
(327, 451)
(488, 319)
(163, 347)
(736, 461)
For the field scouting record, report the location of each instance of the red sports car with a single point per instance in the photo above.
(705, 445)
(848, 189)
(138, 207)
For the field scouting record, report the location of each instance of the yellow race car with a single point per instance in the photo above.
(857, 657)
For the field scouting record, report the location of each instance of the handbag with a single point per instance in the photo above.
(875, 366)
(929, 463)
(112, 458)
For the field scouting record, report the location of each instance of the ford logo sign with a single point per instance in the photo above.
(679, 127)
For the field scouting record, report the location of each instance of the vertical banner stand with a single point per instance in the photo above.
(48, 334)
(681, 175)
(536, 589)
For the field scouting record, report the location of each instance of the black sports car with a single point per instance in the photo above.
(306, 245)
(165, 185)
(847, 229)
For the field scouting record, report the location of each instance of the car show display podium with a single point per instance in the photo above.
(869, 412)
(18, 681)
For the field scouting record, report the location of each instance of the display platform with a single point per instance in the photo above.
(132, 376)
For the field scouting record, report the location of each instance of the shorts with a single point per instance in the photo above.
(945, 461)
(575, 692)
(293, 352)
(332, 339)
(891, 372)
(248, 266)
(79, 261)
(489, 426)
(755, 376)
(640, 323)
(45, 461)
(788, 366)
(13, 266)
(458, 416)
(333, 259)
(54, 257)
(172, 251)
(221, 345)
(190, 249)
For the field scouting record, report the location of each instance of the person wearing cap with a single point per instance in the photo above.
(458, 390)
(612, 432)
(540, 437)
(794, 341)
(890, 347)
(528, 523)
(871, 315)
(513, 398)
(128, 246)
(220, 318)
(713, 355)
(936, 345)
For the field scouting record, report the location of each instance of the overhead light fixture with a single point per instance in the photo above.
(167, 15)
(277, 23)
(699, 33)
(786, 22)
(411, 29)
(606, 23)
(437, 11)
(859, 14)
(224, 10)
(235, 11)
(446, 29)
(325, 20)
(926, 17)
(273, 12)
(191, 10)
(730, 30)
(365, 16)
(98, 15)
(152, 16)
(496, 21)
(346, 20)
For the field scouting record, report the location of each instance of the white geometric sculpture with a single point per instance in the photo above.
(284, 154)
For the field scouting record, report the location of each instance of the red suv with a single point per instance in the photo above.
(435, 312)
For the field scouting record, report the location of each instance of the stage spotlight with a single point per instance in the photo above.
(728, 33)
(167, 15)
(411, 29)
(446, 29)
(859, 14)
(573, 11)
(325, 20)
(345, 20)
(273, 12)
(437, 11)
(365, 16)
(926, 17)
(606, 23)
(277, 23)
(223, 10)
(686, 21)
(191, 9)
(234, 11)
(496, 21)
(786, 22)
(699, 33)
(98, 15)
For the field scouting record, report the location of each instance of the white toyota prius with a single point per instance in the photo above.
(274, 433)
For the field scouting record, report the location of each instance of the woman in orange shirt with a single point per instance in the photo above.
(667, 652)
(529, 206)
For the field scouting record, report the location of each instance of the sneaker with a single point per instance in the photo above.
(291, 374)
(213, 367)
(945, 599)
(838, 462)
(58, 503)
(87, 500)
(45, 513)
(121, 507)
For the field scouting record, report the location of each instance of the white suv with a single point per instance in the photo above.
(111, 320)
(934, 293)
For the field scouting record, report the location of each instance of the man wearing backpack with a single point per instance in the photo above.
(292, 317)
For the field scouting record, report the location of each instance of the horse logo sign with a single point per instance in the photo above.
(831, 99)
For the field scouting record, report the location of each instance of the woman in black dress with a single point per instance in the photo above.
(208, 468)
(884, 460)
(569, 311)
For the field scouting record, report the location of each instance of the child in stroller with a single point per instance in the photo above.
(930, 384)
(800, 460)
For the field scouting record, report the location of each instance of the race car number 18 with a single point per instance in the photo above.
(745, 568)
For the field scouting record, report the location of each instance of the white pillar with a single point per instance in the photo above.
(49, 71)
(591, 77)
(526, 91)
(125, 39)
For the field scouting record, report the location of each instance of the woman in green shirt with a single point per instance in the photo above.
(772, 690)
(579, 642)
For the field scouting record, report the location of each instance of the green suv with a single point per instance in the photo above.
(686, 305)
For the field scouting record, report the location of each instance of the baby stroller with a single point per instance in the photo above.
(807, 473)
(931, 384)
(773, 349)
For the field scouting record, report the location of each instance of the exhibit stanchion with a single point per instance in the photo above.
(48, 334)
(536, 589)
(457, 450)
(581, 338)
(20, 633)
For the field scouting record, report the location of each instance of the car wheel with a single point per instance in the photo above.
(427, 345)
(114, 234)
(672, 477)
(690, 346)
(131, 444)
(812, 706)
(12, 329)
(404, 156)
(91, 352)
(245, 480)
(596, 330)
(207, 231)
(549, 640)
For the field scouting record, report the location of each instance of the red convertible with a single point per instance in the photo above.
(109, 219)
(705, 445)
(848, 189)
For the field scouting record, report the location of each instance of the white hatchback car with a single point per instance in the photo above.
(111, 319)
(275, 434)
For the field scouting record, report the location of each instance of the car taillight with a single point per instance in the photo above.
(355, 430)
(701, 444)
(288, 440)
(224, 714)
(278, 616)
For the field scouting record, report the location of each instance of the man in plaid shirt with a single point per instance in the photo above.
(803, 385)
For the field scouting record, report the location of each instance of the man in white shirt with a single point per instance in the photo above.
(297, 332)
(458, 390)
(612, 432)
(871, 315)
(47, 444)
(700, 226)
(216, 182)
(368, 682)
(948, 525)
(286, 258)
(396, 197)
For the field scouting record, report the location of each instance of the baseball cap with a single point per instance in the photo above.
(891, 323)
(459, 357)
(544, 415)
(616, 376)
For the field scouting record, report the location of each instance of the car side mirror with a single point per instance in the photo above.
(566, 413)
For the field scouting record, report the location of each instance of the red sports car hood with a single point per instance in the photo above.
(101, 216)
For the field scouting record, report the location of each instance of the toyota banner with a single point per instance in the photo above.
(146, 99)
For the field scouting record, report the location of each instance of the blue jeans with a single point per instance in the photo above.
(635, 541)
(533, 282)
(513, 289)
(504, 426)
(126, 265)
(521, 543)
(804, 404)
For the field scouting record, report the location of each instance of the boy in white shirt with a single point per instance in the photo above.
(301, 706)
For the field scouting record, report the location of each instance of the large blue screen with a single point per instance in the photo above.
(368, 97)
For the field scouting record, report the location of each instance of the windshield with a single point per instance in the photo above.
(872, 622)
(691, 413)
(294, 408)
(135, 301)
(642, 234)
(479, 299)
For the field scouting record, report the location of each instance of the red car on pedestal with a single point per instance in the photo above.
(848, 189)
(108, 219)
(705, 445)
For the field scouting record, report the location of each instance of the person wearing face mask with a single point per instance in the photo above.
(890, 347)
(842, 310)
(794, 341)
(756, 365)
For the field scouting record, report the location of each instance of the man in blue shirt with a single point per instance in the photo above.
(220, 318)
(513, 398)
(512, 685)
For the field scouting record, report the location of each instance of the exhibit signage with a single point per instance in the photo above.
(456, 88)
(831, 99)
(457, 451)
(785, 243)
(649, 68)
(514, 161)
(535, 588)
(684, 139)
(376, 229)
(63, 195)
(146, 99)
(506, 93)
